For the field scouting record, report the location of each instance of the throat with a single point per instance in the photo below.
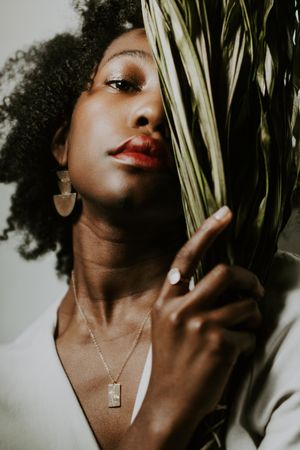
(111, 263)
(112, 274)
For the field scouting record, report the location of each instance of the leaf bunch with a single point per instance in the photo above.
(230, 80)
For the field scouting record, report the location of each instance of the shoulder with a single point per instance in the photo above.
(26, 368)
(281, 305)
(25, 353)
(279, 341)
(266, 410)
(46, 323)
(36, 396)
(284, 277)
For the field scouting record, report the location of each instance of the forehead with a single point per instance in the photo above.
(131, 40)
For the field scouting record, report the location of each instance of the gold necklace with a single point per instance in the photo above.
(113, 388)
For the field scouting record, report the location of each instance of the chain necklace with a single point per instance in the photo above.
(113, 388)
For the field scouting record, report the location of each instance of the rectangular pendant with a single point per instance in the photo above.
(114, 395)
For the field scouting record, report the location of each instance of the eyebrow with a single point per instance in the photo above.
(131, 52)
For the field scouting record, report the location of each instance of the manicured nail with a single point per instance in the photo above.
(221, 213)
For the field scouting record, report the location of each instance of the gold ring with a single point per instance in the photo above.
(174, 277)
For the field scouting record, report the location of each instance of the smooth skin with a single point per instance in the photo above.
(128, 236)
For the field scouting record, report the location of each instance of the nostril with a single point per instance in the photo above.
(142, 121)
(161, 127)
(164, 131)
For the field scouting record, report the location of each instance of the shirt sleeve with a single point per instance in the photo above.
(266, 411)
(283, 429)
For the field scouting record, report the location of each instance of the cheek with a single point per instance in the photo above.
(97, 127)
(91, 131)
(93, 122)
(99, 124)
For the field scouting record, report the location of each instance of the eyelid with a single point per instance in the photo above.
(123, 77)
(136, 84)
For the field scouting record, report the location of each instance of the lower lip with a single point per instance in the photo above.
(139, 160)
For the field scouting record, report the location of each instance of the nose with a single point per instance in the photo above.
(148, 115)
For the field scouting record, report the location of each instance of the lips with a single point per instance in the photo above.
(142, 151)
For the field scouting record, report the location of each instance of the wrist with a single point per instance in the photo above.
(163, 428)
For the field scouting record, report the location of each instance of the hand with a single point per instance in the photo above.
(196, 338)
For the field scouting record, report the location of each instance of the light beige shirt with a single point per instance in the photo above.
(266, 411)
(39, 410)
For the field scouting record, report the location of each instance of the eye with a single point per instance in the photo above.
(124, 85)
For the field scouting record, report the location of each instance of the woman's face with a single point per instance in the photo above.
(117, 148)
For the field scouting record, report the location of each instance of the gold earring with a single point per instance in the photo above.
(65, 201)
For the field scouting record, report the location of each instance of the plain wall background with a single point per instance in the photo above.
(27, 288)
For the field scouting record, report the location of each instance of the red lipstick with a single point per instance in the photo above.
(141, 151)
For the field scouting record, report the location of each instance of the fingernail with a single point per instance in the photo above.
(221, 213)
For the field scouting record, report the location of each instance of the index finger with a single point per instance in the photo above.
(188, 257)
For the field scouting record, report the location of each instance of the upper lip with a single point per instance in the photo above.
(142, 144)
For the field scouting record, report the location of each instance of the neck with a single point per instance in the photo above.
(117, 266)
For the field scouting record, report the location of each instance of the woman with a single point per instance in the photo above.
(95, 370)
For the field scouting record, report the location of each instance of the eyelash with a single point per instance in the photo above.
(124, 85)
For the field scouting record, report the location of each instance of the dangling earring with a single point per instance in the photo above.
(64, 202)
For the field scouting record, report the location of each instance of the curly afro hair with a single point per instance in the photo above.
(48, 79)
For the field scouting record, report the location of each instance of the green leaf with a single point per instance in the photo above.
(230, 76)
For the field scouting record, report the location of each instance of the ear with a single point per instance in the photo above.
(59, 146)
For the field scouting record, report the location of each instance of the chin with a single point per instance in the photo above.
(131, 208)
(134, 197)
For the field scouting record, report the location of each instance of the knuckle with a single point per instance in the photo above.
(255, 281)
(247, 344)
(208, 229)
(220, 346)
(175, 319)
(157, 307)
(225, 272)
(216, 340)
(208, 226)
(184, 253)
(198, 325)
(167, 316)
